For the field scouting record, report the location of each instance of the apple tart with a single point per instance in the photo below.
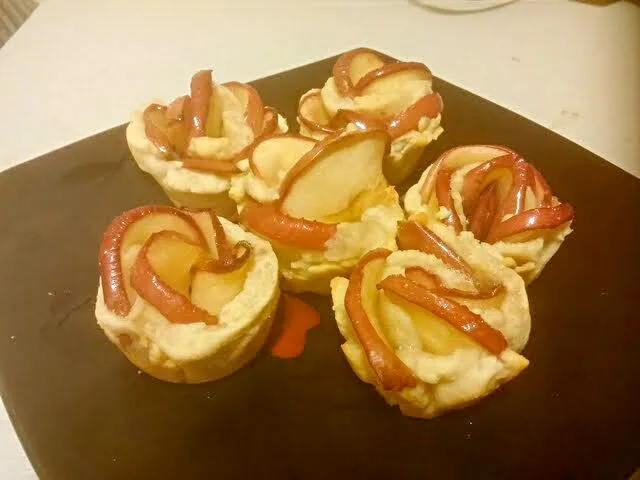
(367, 92)
(187, 296)
(434, 326)
(321, 204)
(192, 146)
(495, 194)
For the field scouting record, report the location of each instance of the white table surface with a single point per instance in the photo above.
(78, 67)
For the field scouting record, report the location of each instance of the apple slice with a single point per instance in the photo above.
(500, 170)
(443, 194)
(212, 291)
(312, 113)
(269, 121)
(540, 187)
(428, 106)
(412, 236)
(391, 77)
(456, 158)
(352, 66)
(268, 221)
(433, 283)
(222, 168)
(534, 219)
(252, 103)
(164, 263)
(227, 258)
(272, 156)
(341, 167)
(484, 212)
(156, 129)
(133, 228)
(362, 121)
(361, 303)
(201, 89)
(455, 313)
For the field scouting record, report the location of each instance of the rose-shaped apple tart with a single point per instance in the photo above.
(322, 205)
(436, 327)
(504, 201)
(192, 146)
(367, 92)
(185, 295)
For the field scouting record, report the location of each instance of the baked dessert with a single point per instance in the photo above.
(366, 91)
(192, 146)
(321, 204)
(186, 296)
(436, 326)
(504, 201)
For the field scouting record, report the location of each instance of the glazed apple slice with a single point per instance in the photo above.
(267, 221)
(484, 212)
(458, 315)
(272, 156)
(362, 121)
(443, 194)
(428, 106)
(534, 219)
(433, 283)
(342, 167)
(456, 158)
(201, 88)
(412, 236)
(252, 103)
(161, 275)
(222, 168)
(128, 230)
(360, 302)
(352, 66)
(392, 77)
(269, 121)
(312, 113)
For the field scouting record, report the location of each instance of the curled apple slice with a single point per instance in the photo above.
(131, 228)
(312, 113)
(158, 275)
(350, 67)
(170, 137)
(201, 89)
(428, 106)
(269, 222)
(272, 156)
(345, 165)
(359, 302)
(252, 103)
(361, 121)
(433, 283)
(391, 76)
(228, 258)
(413, 236)
(269, 121)
(458, 315)
(534, 219)
(484, 212)
(443, 194)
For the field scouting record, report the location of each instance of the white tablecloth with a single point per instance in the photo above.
(79, 66)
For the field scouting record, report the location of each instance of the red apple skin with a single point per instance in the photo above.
(413, 236)
(341, 71)
(432, 282)
(179, 109)
(388, 69)
(392, 373)
(268, 221)
(484, 212)
(254, 168)
(113, 285)
(310, 158)
(155, 133)
(458, 315)
(474, 179)
(534, 219)
(174, 306)
(428, 106)
(443, 193)
(540, 187)
(228, 259)
(201, 90)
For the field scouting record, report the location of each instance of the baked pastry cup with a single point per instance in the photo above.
(368, 92)
(322, 205)
(432, 331)
(187, 296)
(495, 194)
(192, 146)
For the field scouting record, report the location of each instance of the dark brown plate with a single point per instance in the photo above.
(83, 412)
